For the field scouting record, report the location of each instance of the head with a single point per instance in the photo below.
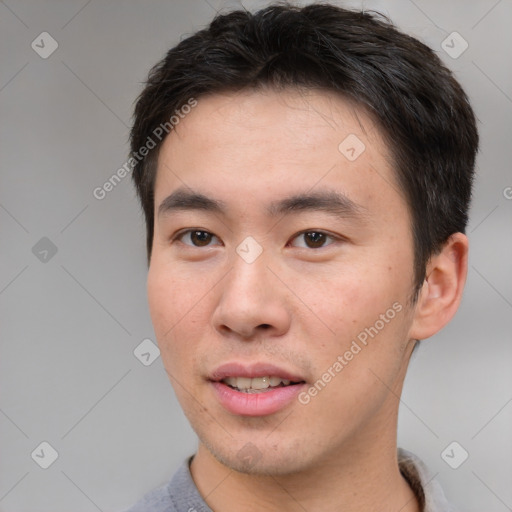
(305, 182)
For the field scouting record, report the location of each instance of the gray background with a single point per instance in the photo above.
(70, 323)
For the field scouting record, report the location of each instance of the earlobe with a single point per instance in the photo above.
(441, 293)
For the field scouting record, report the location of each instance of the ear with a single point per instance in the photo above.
(440, 296)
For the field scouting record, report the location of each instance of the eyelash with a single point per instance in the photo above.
(333, 238)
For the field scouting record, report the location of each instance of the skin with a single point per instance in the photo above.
(295, 306)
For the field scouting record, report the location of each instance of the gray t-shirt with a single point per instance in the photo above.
(181, 494)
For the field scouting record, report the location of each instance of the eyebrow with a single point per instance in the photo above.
(183, 199)
(329, 201)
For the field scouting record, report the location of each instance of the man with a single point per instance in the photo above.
(305, 175)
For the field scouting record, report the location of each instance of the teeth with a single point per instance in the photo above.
(260, 382)
(256, 383)
(243, 383)
(275, 381)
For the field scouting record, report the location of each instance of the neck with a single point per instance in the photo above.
(361, 475)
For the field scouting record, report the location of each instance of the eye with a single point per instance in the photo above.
(196, 238)
(312, 240)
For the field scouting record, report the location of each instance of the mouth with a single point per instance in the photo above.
(258, 384)
(255, 390)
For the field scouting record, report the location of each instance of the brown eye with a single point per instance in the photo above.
(312, 240)
(197, 238)
(200, 238)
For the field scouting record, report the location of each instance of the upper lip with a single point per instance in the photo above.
(252, 370)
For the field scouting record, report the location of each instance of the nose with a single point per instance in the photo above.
(252, 302)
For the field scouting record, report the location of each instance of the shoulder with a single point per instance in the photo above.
(179, 495)
(423, 483)
(158, 500)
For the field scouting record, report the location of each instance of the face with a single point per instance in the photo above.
(281, 269)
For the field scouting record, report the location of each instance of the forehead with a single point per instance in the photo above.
(265, 141)
(297, 117)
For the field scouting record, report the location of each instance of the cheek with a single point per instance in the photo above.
(171, 293)
(175, 307)
(345, 302)
(161, 300)
(362, 315)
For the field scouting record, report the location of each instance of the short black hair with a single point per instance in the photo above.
(422, 111)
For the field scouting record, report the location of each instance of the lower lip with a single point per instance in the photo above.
(255, 404)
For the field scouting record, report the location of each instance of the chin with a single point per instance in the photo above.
(263, 457)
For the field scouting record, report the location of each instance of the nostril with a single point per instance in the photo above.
(265, 326)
